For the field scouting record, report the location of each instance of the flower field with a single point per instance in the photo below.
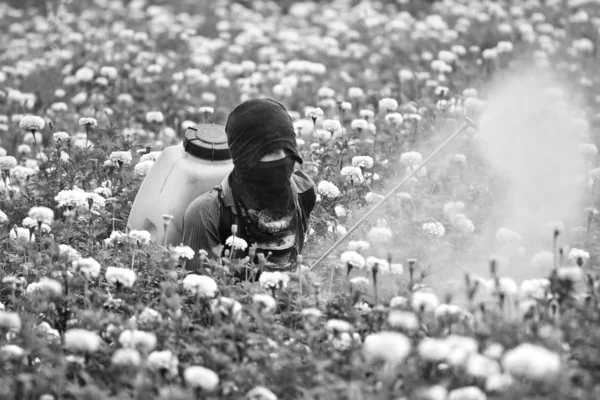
(477, 279)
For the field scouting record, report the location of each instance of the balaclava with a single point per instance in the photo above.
(263, 190)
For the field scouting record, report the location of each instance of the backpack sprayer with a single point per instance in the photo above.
(468, 123)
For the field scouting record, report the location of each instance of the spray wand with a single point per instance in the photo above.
(468, 123)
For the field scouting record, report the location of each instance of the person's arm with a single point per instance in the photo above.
(201, 227)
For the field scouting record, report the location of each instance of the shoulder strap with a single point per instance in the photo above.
(225, 217)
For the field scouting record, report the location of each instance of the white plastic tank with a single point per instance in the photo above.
(179, 175)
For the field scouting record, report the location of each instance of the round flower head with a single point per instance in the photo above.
(126, 357)
(411, 158)
(123, 276)
(200, 377)
(434, 229)
(362, 161)
(206, 110)
(359, 124)
(60, 136)
(32, 123)
(274, 280)
(88, 267)
(468, 392)
(143, 167)
(120, 157)
(353, 259)
(328, 189)
(88, 121)
(388, 104)
(179, 252)
(531, 362)
(403, 319)
(265, 302)
(394, 119)
(332, 125)
(390, 347)
(353, 174)
(10, 320)
(236, 243)
(358, 245)
(314, 113)
(380, 234)
(163, 361)
(82, 340)
(201, 285)
(155, 117)
(41, 214)
(7, 162)
(424, 301)
(47, 286)
(261, 393)
(140, 340)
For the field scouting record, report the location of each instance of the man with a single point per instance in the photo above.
(268, 201)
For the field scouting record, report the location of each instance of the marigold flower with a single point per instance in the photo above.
(123, 157)
(126, 357)
(358, 245)
(11, 352)
(140, 340)
(273, 280)
(328, 189)
(163, 360)
(10, 320)
(200, 285)
(388, 104)
(352, 173)
(353, 259)
(88, 267)
(237, 243)
(403, 319)
(82, 340)
(155, 117)
(200, 377)
(42, 214)
(391, 347)
(46, 285)
(123, 276)
(532, 362)
(467, 393)
(266, 302)
(260, 393)
(32, 123)
(424, 301)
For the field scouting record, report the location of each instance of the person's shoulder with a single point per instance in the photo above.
(206, 202)
(303, 182)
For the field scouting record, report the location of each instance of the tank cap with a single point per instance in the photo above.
(207, 141)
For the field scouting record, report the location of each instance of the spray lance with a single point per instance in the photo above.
(468, 123)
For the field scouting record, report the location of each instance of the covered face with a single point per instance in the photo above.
(257, 127)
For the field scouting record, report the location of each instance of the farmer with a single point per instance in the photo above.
(268, 201)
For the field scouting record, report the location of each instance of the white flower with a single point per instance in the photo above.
(380, 234)
(236, 243)
(41, 214)
(359, 124)
(7, 162)
(200, 377)
(82, 340)
(359, 280)
(10, 320)
(358, 245)
(388, 104)
(21, 173)
(60, 136)
(140, 236)
(434, 229)
(573, 274)
(149, 315)
(3, 217)
(411, 158)
(353, 259)
(424, 301)
(340, 211)
(143, 167)
(155, 117)
(179, 252)
(266, 302)
(109, 72)
(352, 173)
(68, 252)
(448, 313)
(532, 362)
(338, 325)
(382, 265)
(467, 393)
(120, 157)
(403, 319)
(200, 285)
(141, 340)
(18, 233)
(84, 74)
(481, 366)
(11, 352)
(126, 357)
(328, 189)
(314, 113)
(534, 288)
(32, 123)
(88, 121)
(152, 156)
(227, 308)
(207, 110)
(575, 254)
(433, 349)
(332, 125)
(311, 312)
(46, 285)
(274, 280)
(123, 276)
(453, 208)
(366, 114)
(435, 392)
(498, 383)
(260, 393)
(391, 347)
(362, 161)
(372, 198)
(163, 360)
(394, 118)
